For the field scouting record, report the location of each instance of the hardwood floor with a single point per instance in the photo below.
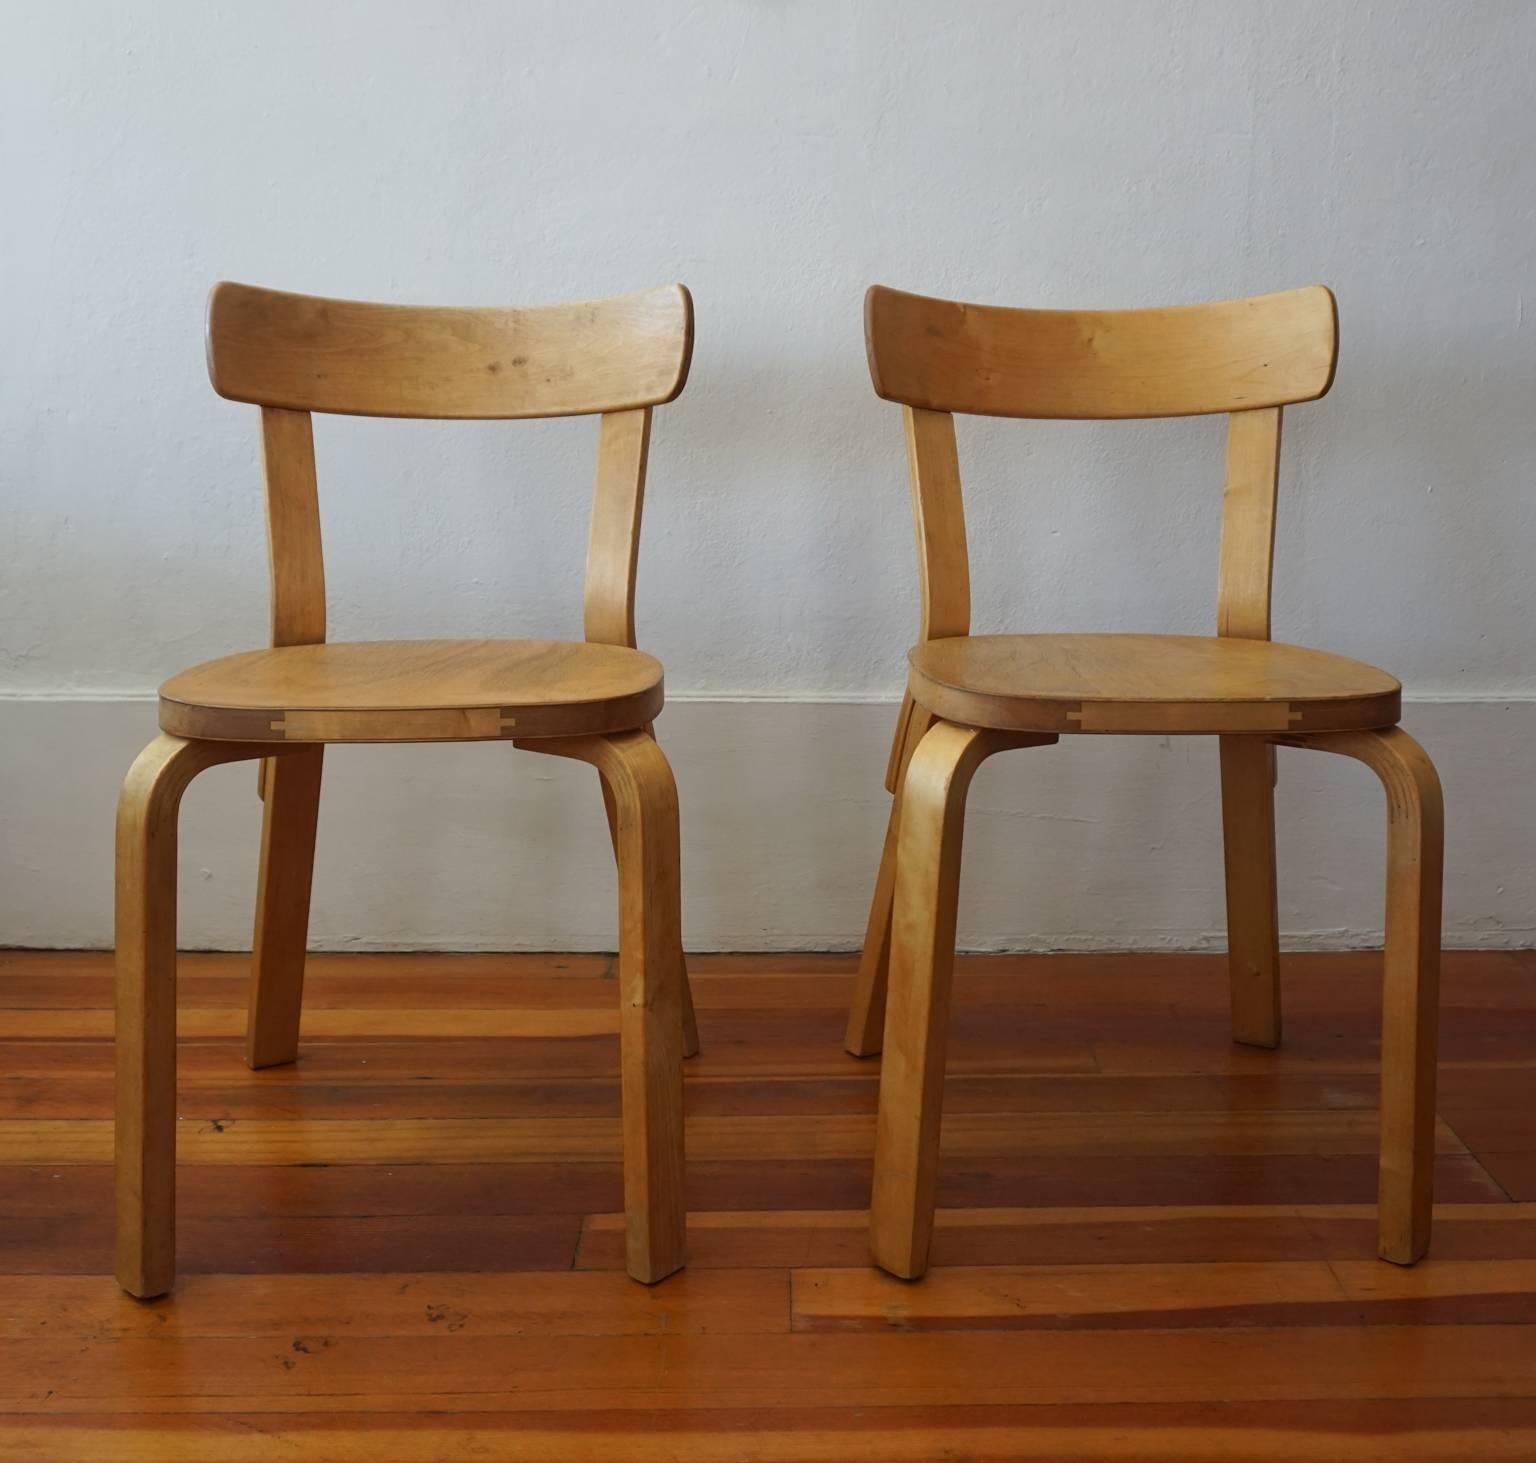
(1152, 1245)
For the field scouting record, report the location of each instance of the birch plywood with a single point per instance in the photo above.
(1185, 360)
(306, 353)
(1148, 684)
(414, 691)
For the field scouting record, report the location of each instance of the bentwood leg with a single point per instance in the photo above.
(1411, 989)
(866, 1013)
(922, 962)
(291, 789)
(639, 782)
(1410, 994)
(1253, 928)
(690, 1020)
(146, 1006)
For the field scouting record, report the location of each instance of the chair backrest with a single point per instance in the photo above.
(297, 354)
(1249, 358)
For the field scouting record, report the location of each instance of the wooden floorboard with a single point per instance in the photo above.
(1152, 1246)
(1427, 1430)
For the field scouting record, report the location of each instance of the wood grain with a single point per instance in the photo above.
(304, 353)
(1196, 1293)
(145, 1016)
(1227, 356)
(295, 555)
(1253, 923)
(1431, 1430)
(927, 893)
(574, 1139)
(1142, 1265)
(538, 1303)
(415, 691)
(1411, 989)
(642, 800)
(290, 817)
(324, 1372)
(1246, 568)
(613, 543)
(1147, 685)
(1129, 1233)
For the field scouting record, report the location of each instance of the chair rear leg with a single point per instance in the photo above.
(291, 789)
(145, 1131)
(866, 1015)
(1253, 932)
(922, 963)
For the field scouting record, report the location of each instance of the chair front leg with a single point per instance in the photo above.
(866, 1013)
(922, 961)
(1253, 925)
(1411, 989)
(690, 1019)
(639, 782)
(146, 1005)
(291, 790)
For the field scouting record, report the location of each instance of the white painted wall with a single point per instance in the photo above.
(777, 155)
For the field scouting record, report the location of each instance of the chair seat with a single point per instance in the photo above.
(415, 691)
(1147, 683)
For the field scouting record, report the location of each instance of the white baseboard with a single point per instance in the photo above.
(1098, 843)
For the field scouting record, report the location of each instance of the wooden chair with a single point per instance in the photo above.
(592, 700)
(969, 696)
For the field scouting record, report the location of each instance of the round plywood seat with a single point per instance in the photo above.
(1149, 684)
(415, 691)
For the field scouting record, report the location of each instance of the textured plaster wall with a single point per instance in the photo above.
(776, 155)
